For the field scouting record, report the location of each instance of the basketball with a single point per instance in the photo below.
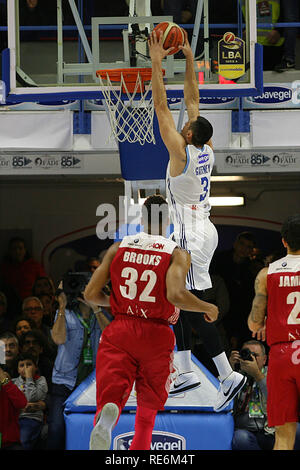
(173, 35)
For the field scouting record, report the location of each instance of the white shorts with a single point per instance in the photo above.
(200, 241)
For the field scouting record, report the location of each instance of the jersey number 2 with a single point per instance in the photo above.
(294, 298)
(129, 291)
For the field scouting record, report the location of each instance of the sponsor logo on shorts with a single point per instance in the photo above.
(161, 440)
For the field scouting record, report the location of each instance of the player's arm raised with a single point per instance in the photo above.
(191, 88)
(172, 139)
(256, 319)
(93, 293)
(178, 295)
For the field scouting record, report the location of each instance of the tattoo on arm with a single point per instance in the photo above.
(258, 310)
(259, 305)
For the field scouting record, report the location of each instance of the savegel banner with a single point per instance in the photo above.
(281, 96)
(275, 96)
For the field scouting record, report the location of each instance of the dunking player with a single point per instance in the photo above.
(147, 273)
(188, 186)
(277, 296)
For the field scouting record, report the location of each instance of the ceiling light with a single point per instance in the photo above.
(227, 201)
(227, 178)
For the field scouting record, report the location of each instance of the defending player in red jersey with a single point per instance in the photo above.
(277, 295)
(147, 273)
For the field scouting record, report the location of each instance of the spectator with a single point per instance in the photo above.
(14, 303)
(112, 8)
(43, 285)
(93, 263)
(5, 321)
(35, 13)
(11, 352)
(250, 406)
(290, 14)
(35, 389)
(76, 331)
(270, 38)
(33, 309)
(250, 415)
(12, 400)
(34, 342)
(234, 266)
(22, 325)
(19, 270)
(183, 11)
(49, 308)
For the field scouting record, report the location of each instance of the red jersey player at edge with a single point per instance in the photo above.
(147, 273)
(277, 297)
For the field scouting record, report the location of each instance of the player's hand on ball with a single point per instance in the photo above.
(156, 48)
(186, 48)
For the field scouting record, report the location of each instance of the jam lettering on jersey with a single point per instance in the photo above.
(283, 318)
(289, 281)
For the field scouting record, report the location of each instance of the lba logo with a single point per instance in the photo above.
(161, 440)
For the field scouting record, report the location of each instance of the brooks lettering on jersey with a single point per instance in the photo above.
(141, 258)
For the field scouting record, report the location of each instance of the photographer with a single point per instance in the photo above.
(251, 429)
(76, 331)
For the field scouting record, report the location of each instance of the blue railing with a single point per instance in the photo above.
(186, 26)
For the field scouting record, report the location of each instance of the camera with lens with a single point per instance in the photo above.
(73, 284)
(246, 354)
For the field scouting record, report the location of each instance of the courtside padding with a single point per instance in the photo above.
(188, 422)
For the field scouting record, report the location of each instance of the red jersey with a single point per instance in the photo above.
(138, 278)
(283, 285)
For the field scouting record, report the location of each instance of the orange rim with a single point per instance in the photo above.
(130, 76)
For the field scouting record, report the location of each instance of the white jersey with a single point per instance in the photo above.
(188, 200)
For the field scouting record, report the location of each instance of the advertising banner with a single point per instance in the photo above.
(258, 161)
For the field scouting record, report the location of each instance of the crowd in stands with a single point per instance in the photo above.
(37, 318)
(34, 359)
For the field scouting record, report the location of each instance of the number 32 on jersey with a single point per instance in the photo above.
(130, 289)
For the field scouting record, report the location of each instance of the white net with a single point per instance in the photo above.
(130, 113)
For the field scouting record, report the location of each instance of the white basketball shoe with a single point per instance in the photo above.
(184, 382)
(228, 389)
(100, 438)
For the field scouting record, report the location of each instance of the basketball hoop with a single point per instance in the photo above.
(129, 106)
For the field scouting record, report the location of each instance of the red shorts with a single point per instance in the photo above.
(134, 350)
(283, 382)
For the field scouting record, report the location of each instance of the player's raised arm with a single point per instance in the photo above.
(191, 88)
(172, 139)
(178, 295)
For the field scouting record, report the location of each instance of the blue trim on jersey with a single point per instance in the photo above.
(187, 159)
(182, 236)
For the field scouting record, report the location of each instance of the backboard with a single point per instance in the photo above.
(60, 61)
